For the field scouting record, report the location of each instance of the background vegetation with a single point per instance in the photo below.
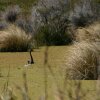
(25, 25)
(50, 22)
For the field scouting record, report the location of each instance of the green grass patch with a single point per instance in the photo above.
(35, 73)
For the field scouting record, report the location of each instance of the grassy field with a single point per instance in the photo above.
(14, 64)
(47, 74)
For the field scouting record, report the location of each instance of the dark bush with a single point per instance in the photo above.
(12, 13)
(48, 35)
(51, 22)
(81, 20)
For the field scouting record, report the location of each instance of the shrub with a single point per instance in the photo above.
(50, 35)
(51, 19)
(11, 13)
(14, 39)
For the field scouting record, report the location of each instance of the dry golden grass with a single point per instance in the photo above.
(84, 56)
(82, 61)
(14, 39)
(90, 33)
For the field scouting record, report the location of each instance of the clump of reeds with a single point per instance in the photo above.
(82, 61)
(14, 39)
(84, 55)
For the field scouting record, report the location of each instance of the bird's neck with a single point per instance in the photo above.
(31, 58)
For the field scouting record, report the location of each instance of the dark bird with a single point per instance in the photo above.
(31, 61)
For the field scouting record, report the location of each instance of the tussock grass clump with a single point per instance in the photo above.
(84, 55)
(91, 33)
(14, 39)
(83, 61)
